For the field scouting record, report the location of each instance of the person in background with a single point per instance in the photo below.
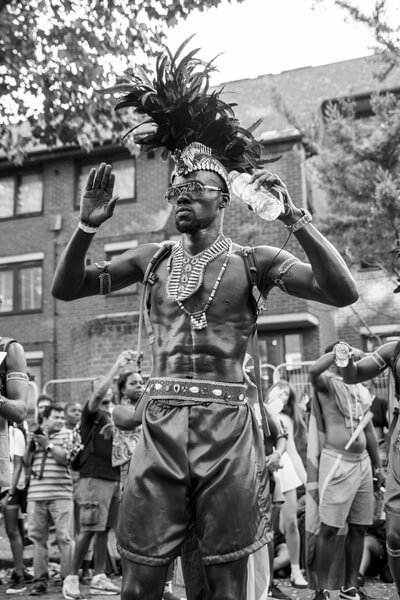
(379, 408)
(15, 509)
(345, 484)
(281, 401)
(42, 401)
(14, 385)
(98, 489)
(362, 369)
(50, 494)
(72, 412)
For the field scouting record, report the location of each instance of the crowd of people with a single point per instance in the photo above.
(191, 470)
(80, 505)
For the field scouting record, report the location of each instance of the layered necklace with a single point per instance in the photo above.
(186, 275)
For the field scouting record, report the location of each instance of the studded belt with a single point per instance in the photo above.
(197, 390)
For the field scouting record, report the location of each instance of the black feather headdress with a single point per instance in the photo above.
(191, 123)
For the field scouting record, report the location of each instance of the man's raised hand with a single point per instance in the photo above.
(97, 200)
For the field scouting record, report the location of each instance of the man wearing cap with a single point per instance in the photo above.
(200, 458)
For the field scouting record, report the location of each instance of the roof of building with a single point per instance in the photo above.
(302, 91)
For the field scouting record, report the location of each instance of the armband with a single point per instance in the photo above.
(17, 376)
(283, 270)
(104, 277)
(300, 223)
(87, 228)
(379, 360)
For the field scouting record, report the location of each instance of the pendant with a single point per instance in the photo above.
(198, 321)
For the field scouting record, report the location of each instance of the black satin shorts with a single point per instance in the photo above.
(201, 462)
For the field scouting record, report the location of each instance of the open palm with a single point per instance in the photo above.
(97, 200)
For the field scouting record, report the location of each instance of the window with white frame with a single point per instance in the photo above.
(114, 249)
(124, 169)
(34, 361)
(21, 283)
(21, 194)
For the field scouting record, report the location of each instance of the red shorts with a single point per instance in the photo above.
(199, 461)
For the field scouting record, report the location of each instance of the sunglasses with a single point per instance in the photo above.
(193, 188)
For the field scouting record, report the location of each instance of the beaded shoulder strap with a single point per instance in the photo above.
(150, 277)
(258, 305)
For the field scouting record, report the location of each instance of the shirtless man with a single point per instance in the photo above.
(192, 462)
(345, 491)
(366, 368)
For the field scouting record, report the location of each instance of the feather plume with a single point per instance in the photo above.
(180, 105)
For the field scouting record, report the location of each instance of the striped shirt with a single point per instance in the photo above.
(56, 482)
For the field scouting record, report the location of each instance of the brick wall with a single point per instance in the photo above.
(83, 338)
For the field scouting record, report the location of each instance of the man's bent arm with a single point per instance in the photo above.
(317, 368)
(72, 279)
(14, 406)
(327, 278)
(370, 366)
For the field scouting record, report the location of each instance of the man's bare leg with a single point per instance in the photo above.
(393, 547)
(325, 551)
(227, 581)
(142, 582)
(354, 546)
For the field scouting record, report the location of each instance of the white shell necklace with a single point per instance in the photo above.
(186, 272)
(198, 319)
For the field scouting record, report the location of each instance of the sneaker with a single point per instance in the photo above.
(321, 595)
(17, 584)
(70, 588)
(298, 581)
(101, 584)
(362, 593)
(349, 594)
(275, 593)
(38, 588)
(167, 595)
(28, 576)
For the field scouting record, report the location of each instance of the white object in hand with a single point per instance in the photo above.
(341, 354)
(267, 204)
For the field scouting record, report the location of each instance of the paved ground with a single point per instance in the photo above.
(375, 589)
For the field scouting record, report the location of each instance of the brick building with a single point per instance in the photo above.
(39, 211)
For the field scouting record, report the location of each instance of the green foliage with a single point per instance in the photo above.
(53, 56)
(360, 167)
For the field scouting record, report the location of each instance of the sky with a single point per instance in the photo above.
(259, 37)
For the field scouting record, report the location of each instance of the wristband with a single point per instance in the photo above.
(87, 228)
(304, 220)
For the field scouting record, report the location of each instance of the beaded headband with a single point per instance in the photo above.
(198, 157)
